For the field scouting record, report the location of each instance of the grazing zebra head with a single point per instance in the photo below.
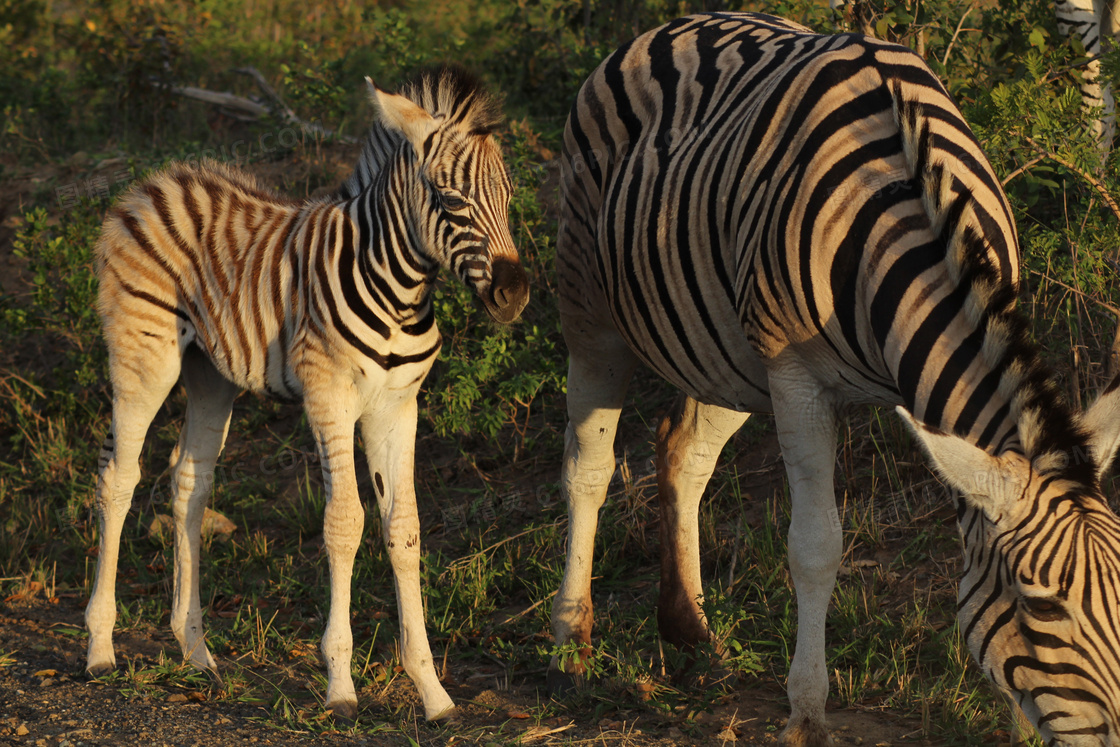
(441, 125)
(1039, 603)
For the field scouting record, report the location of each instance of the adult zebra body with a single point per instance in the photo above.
(204, 273)
(775, 220)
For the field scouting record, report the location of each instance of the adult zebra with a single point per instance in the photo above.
(202, 272)
(1091, 20)
(775, 220)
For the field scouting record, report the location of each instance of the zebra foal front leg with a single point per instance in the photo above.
(806, 424)
(332, 422)
(390, 444)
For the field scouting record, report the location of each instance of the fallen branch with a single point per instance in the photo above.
(248, 110)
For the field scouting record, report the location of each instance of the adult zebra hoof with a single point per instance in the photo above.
(805, 733)
(561, 683)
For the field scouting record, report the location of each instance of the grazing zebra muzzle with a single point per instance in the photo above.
(779, 221)
(206, 275)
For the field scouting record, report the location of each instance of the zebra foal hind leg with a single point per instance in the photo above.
(689, 442)
(807, 428)
(209, 404)
(599, 370)
(142, 369)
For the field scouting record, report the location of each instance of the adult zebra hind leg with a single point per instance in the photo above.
(209, 404)
(599, 369)
(807, 428)
(143, 369)
(689, 443)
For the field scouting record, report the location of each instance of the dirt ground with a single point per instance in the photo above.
(47, 700)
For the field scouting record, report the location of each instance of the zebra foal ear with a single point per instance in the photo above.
(988, 482)
(399, 113)
(1102, 423)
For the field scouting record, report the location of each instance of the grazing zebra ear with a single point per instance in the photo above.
(400, 113)
(987, 482)
(1102, 422)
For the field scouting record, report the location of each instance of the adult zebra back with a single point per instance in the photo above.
(204, 273)
(775, 220)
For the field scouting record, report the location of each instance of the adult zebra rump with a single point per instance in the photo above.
(206, 274)
(775, 220)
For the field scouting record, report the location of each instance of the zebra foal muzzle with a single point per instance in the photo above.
(508, 292)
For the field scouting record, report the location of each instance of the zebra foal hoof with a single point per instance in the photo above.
(449, 715)
(344, 712)
(805, 733)
(100, 669)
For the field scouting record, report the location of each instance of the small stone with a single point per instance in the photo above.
(22, 730)
(177, 698)
(46, 682)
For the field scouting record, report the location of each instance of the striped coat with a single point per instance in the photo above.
(206, 275)
(775, 220)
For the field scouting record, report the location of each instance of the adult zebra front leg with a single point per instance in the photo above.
(389, 438)
(599, 370)
(806, 425)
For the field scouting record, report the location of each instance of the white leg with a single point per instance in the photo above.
(689, 442)
(390, 447)
(209, 403)
(806, 424)
(142, 378)
(599, 370)
(332, 422)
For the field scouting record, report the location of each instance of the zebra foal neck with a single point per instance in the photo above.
(205, 274)
(777, 220)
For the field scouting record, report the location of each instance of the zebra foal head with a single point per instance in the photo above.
(443, 121)
(1039, 602)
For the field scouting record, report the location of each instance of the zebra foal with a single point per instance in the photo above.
(779, 221)
(206, 275)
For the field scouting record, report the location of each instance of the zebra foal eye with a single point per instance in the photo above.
(1044, 609)
(452, 201)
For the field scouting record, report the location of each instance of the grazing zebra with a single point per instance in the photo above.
(204, 273)
(775, 220)
(1088, 20)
